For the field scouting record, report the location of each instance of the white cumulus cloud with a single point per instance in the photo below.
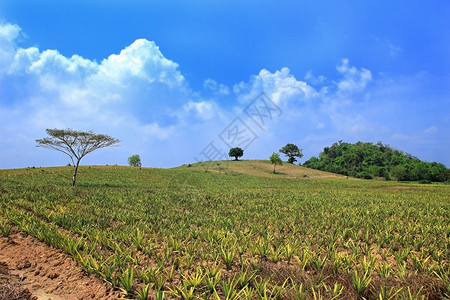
(142, 60)
(140, 96)
(203, 109)
(134, 91)
(8, 33)
(281, 86)
(353, 80)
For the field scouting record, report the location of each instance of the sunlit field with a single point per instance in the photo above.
(234, 230)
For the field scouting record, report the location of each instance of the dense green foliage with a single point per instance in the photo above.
(366, 160)
(236, 152)
(210, 233)
(291, 151)
(134, 160)
(275, 160)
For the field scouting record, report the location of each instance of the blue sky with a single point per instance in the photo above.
(179, 81)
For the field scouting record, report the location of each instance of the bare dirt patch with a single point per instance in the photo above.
(36, 271)
(10, 287)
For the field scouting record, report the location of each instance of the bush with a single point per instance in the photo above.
(364, 175)
(424, 181)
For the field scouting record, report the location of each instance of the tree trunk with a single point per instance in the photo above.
(274, 168)
(75, 170)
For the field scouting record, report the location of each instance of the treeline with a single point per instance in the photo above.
(366, 160)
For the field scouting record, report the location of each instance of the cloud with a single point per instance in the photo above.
(312, 79)
(353, 80)
(141, 60)
(52, 63)
(387, 46)
(139, 74)
(423, 136)
(8, 34)
(280, 86)
(154, 130)
(332, 106)
(133, 92)
(431, 130)
(204, 109)
(141, 97)
(212, 85)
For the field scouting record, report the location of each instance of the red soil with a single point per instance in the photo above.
(30, 269)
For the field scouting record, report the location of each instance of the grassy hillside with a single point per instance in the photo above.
(262, 168)
(233, 229)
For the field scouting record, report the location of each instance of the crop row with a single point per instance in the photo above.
(193, 234)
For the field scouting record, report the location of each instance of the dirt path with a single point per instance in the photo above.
(47, 273)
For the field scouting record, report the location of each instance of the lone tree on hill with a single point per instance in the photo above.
(236, 153)
(276, 160)
(291, 151)
(75, 144)
(135, 160)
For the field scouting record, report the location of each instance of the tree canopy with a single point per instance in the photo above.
(366, 160)
(236, 153)
(275, 160)
(75, 144)
(134, 161)
(291, 151)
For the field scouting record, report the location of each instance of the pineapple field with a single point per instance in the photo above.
(235, 230)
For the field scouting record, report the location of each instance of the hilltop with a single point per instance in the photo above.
(259, 168)
(367, 160)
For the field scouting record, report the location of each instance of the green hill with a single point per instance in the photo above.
(223, 228)
(366, 160)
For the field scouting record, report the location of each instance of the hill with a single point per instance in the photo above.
(261, 168)
(224, 228)
(366, 160)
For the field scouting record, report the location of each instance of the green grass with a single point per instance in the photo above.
(194, 231)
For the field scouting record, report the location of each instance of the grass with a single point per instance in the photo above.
(233, 229)
(262, 168)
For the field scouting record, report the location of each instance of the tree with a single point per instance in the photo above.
(275, 160)
(236, 153)
(75, 144)
(367, 160)
(135, 160)
(291, 151)
(399, 172)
